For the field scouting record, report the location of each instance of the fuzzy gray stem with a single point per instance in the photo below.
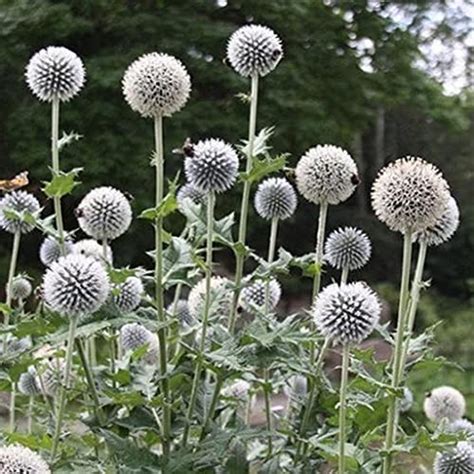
(342, 408)
(271, 256)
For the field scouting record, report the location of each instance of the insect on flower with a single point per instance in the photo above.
(19, 181)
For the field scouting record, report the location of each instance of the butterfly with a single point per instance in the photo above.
(19, 181)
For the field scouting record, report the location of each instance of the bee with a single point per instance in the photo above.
(78, 212)
(187, 149)
(355, 180)
(19, 181)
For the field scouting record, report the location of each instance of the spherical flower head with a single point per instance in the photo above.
(128, 295)
(347, 247)
(182, 313)
(346, 313)
(21, 288)
(133, 336)
(459, 460)
(239, 389)
(28, 383)
(409, 194)
(326, 173)
(275, 199)
(444, 403)
(17, 346)
(213, 166)
(50, 250)
(104, 213)
(22, 203)
(406, 402)
(253, 295)
(91, 248)
(156, 84)
(221, 298)
(19, 459)
(254, 49)
(55, 72)
(444, 228)
(75, 285)
(462, 426)
(189, 191)
(53, 377)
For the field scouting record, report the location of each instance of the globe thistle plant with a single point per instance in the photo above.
(19, 459)
(55, 72)
(22, 204)
(189, 191)
(212, 166)
(239, 390)
(133, 336)
(254, 50)
(444, 403)
(220, 298)
(156, 84)
(253, 295)
(275, 199)
(406, 402)
(104, 213)
(181, 311)
(52, 377)
(462, 426)
(75, 285)
(410, 194)
(28, 383)
(459, 460)
(91, 248)
(50, 250)
(21, 288)
(127, 295)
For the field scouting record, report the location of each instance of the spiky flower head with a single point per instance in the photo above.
(21, 288)
(462, 426)
(406, 401)
(239, 389)
(409, 194)
(212, 166)
(104, 213)
(50, 250)
(275, 199)
(181, 312)
(22, 204)
(254, 49)
(91, 248)
(53, 376)
(347, 247)
(133, 336)
(21, 460)
(189, 191)
(156, 84)
(444, 228)
(458, 460)
(17, 346)
(75, 285)
(346, 313)
(128, 295)
(253, 295)
(444, 403)
(221, 298)
(55, 72)
(326, 173)
(28, 382)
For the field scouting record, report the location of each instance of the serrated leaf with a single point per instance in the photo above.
(264, 167)
(260, 145)
(119, 275)
(5, 309)
(68, 138)
(62, 183)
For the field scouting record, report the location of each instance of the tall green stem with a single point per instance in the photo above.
(342, 408)
(55, 165)
(268, 409)
(271, 256)
(205, 319)
(159, 178)
(212, 407)
(239, 263)
(344, 275)
(414, 299)
(64, 387)
(398, 352)
(318, 260)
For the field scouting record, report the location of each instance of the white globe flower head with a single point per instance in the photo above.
(52, 377)
(254, 49)
(406, 402)
(458, 460)
(212, 166)
(410, 194)
(326, 173)
(444, 403)
(347, 247)
(221, 298)
(28, 383)
(21, 203)
(134, 336)
(253, 295)
(104, 213)
(346, 313)
(19, 459)
(50, 250)
(182, 313)
(21, 288)
(275, 199)
(189, 191)
(128, 295)
(156, 84)
(55, 72)
(443, 229)
(75, 285)
(91, 248)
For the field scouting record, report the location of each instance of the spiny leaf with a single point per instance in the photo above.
(264, 167)
(62, 183)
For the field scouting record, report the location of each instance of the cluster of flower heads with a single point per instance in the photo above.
(15, 207)
(19, 459)
(347, 247)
